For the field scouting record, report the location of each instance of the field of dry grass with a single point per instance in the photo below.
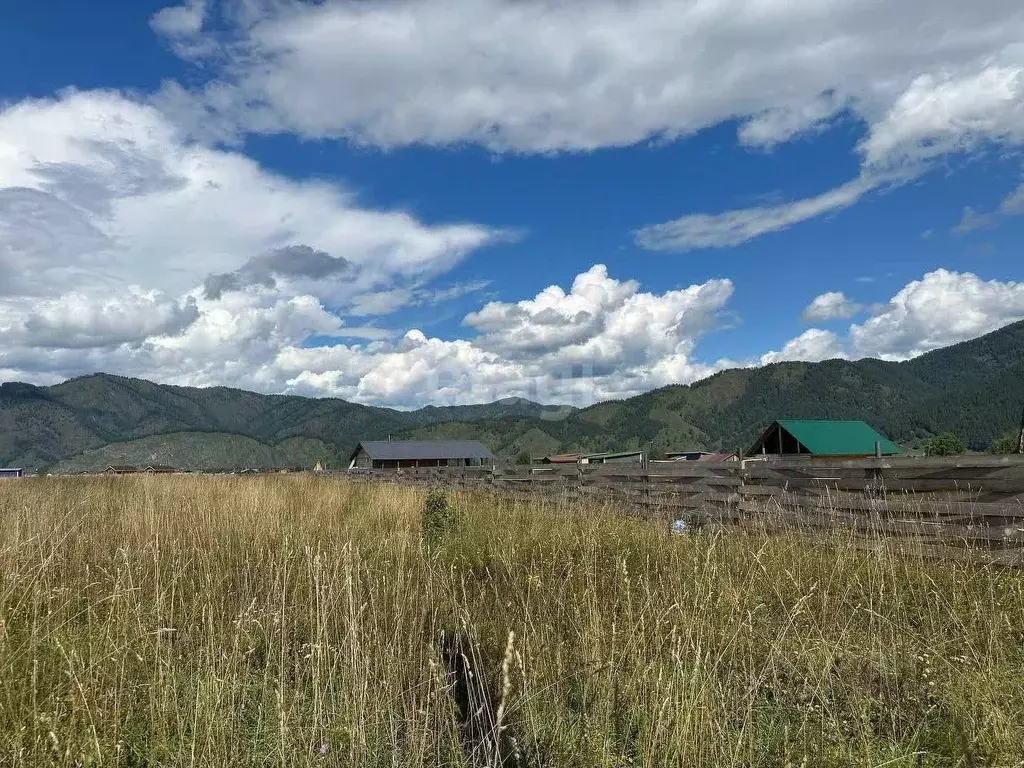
(300, 621)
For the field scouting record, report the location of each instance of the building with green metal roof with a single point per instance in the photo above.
(833, 439)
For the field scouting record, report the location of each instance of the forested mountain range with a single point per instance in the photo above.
(101, 419)
(974, 389)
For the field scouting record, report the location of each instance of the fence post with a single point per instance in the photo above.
(1020, 435)
(741, 488)
(646, 477)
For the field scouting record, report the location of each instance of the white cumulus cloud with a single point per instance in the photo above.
(602, 338)
(180, 20)
(541, 76)
(947, 112)
(833, 305)
(126, 247)
(102, 190)
(622, 341)
(534, 76)
(601, 322)
(79, 320)
(942, 308)
(812, 346)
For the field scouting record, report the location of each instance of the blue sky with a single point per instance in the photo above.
(392, 201)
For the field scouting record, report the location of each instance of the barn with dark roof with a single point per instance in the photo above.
(410, 454)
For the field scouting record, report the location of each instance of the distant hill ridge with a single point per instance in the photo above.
(974, 389)
(96, 417)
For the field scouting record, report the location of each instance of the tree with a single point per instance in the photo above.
(523, 457)
(1008, 443)
(946, 444)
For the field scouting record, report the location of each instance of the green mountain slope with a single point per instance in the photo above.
(509, 407)
(974, 389)
(40, 426)
(202, 450)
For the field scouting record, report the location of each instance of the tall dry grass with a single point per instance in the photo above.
(298, 621)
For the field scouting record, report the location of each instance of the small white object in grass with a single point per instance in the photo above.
(681, 526)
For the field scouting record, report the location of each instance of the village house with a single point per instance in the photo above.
(618, 457)
(673, 457)
(411, 454)
(561, 458)
(685, 455)
(822, 439)
(614, 457)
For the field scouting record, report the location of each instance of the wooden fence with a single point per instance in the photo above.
(975, 501)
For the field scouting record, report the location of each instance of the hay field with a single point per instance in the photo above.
(303, 621)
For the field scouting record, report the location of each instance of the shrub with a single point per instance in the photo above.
(439, 516)
(1006, 444)
(946, 444)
